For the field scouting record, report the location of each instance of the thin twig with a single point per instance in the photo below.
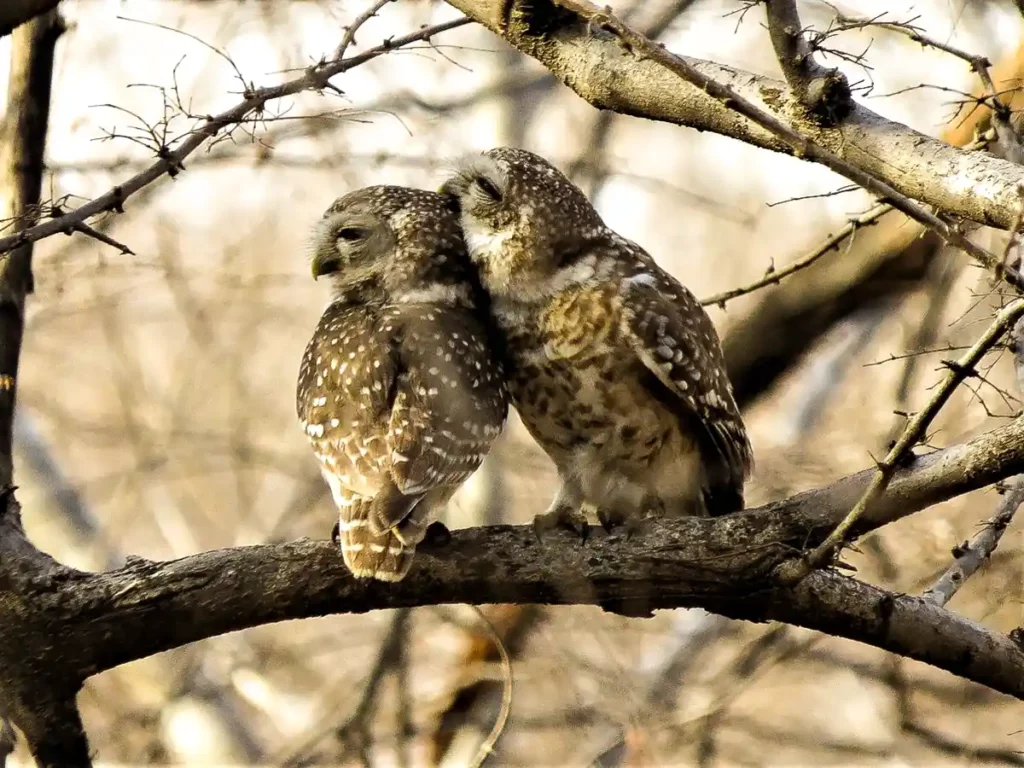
(350, 32)
(506, 693)
(980, 65)
(971, 555)
(775, 276)
(316, 77)
(792, 571)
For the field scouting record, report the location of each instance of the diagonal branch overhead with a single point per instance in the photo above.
(593, 64)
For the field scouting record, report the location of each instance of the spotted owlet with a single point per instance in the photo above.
(614, 367)
(398, 390)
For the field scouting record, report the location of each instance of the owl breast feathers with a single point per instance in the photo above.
(615, 368)
(398, 390)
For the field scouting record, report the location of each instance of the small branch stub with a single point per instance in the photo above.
(824, 93)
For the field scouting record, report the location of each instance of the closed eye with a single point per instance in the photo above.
(489, 188)
(351, 233)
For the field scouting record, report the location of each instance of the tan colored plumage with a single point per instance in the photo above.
(398, 390)
(614, 366)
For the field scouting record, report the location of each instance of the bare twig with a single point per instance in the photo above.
(774, 277)
(485, 749)
(793, 571)
(316, 77)
(823, 92)
(980, 65)
(971, 555)
(353, 28)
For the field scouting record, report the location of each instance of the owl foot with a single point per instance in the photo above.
(614, 522)
(336, 531)
(564, 517)
(437, 535)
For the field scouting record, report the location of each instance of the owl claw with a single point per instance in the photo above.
(614, 522)
(437, 535)
(336, 531)
(561, 517)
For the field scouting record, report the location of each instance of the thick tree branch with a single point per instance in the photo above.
(594, 65)
(14, 13)
(43, 707)
(79, 624)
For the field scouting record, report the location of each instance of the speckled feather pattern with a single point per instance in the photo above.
(614, 367)
(398, 391)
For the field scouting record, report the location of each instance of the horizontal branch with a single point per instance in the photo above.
(593, 64)
(93, 622)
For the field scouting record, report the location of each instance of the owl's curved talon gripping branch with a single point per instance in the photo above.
(564, 518)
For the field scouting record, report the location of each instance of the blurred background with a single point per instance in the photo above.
(157, 395)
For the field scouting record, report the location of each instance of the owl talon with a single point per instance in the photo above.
(437, 535)
(615, 522)
(564, 518)
(336, 532)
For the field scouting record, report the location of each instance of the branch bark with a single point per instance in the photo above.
(40, 703)
(14, 13)
(972, 185)
(78, 624)
(823, 92)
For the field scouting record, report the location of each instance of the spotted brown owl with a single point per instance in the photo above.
(614, 367)
(398, 391)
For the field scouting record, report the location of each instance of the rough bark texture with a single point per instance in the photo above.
(971, 184)
(77, 624)
(33, 693)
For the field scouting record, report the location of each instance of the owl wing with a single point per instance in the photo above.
(344, 397)
(450, 402)
(346, 385)
(674, 338)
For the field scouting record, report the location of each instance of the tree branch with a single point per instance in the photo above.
(972, 554)
(79, 624)
(46, 713)
(972, 185)
(316, 77)
(14, 13)
(823, 92)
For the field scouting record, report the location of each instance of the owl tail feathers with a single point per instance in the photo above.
(370, 555)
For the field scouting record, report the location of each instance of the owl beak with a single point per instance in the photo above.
(325, 265)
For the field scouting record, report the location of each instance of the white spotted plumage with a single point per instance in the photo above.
(398, 391)
(614, 366)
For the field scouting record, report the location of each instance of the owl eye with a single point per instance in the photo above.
(489, 188)
(351, 234)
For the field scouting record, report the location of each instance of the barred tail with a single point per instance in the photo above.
(369, 555)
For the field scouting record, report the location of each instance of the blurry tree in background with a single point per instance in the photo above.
(847, 210)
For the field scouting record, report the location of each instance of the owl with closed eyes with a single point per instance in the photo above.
(613, 365)
(399, 391)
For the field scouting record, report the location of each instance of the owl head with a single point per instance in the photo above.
(392, 243)
(524, 221)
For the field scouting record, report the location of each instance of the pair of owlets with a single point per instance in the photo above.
(613, 366)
